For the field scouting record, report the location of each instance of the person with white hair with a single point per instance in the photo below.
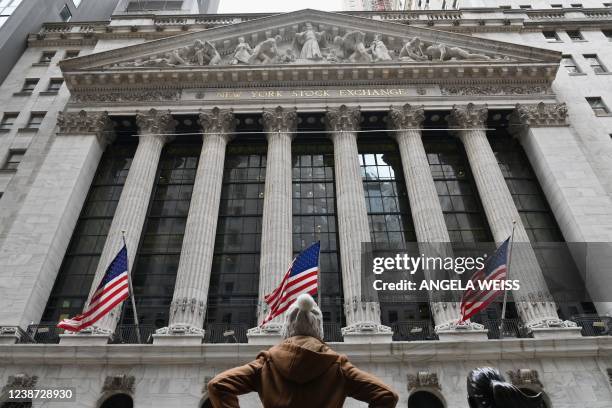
(301, 371)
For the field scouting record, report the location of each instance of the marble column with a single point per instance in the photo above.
(577, 198)
(154, 129)
(428, 218)
(533, 301)
(280, 125)
(188, 308)
(36, 242)
(362, 315)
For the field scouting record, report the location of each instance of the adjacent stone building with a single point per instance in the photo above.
(222, 145)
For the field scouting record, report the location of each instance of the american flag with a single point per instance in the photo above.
(302, 277)
(495, 268)
(113, 290)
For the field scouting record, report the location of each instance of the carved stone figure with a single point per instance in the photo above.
(487, 388)
(288, 57)
(266, 51)
(442, 52)
(205, 53)
(242, 53)
(379, 49)
(413, 51)
(308, 43)
(353, 47)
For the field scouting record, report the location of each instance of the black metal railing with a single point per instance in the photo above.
(332, 332)
(594, 325)
(225, 333)
(44, 333)
(127, 334)
(413, 330)
(512, 328)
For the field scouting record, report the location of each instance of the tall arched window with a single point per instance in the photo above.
(424, 399)
(118, 401)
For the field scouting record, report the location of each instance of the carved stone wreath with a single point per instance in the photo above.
(423, 379)
(524, 377)
(121, 383)
(20, 381)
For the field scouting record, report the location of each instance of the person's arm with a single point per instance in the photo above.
(366, 387)
(223, 390)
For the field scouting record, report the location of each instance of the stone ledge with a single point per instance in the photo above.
(417, 351)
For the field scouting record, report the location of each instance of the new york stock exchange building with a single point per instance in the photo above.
(223, 145)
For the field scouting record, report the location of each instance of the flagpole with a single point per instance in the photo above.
(132, 292)
(318, 239)
(503, 316)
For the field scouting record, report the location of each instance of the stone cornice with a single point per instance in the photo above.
(343, 118)
(467, 21)
(451, 72)
(407, 116)
(155, 122)
(285, 24)
(280, 119)
(83, 123)
(413, 351)
(217, 121)
(540, 115)
(468, 116)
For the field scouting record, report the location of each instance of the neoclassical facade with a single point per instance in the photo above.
(218, 154)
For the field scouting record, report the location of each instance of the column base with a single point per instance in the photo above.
(461, 332)
(178, 335)
(91, 336)
(11, 334)
(367, 332)
(555, 329)
(270, 334)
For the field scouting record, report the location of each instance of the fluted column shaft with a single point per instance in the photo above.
(276, 229)
(427, 214)
(188, 307)
(133, 204)
(353, 227)
(533, 301)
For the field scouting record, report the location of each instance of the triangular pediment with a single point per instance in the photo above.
(309, 37)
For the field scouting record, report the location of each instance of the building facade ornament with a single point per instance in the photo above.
(407, 117)
(119, 383)
(491, 90)
(540, 115)
(308, 43)
(423, 379)
(83, 123)
(343, 118)
(280, 119)
(468, 116)
(217, 121)
(154, 122)
(524, 377)
(128, 95)
(20, 382)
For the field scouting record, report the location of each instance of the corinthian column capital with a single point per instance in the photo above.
(468, 116)
(280, 119)
(406, 117)
(154, 122)
(539, 115)
(217, 120)
(81, 123)
(343, 118)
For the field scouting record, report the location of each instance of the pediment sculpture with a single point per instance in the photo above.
(309, 46)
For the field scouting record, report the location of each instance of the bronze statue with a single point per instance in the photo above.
(487, 388)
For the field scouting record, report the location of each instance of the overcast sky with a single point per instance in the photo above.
(265, 6)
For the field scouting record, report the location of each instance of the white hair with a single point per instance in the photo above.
(303, 318)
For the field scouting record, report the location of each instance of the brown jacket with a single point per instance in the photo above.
(300, 372)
